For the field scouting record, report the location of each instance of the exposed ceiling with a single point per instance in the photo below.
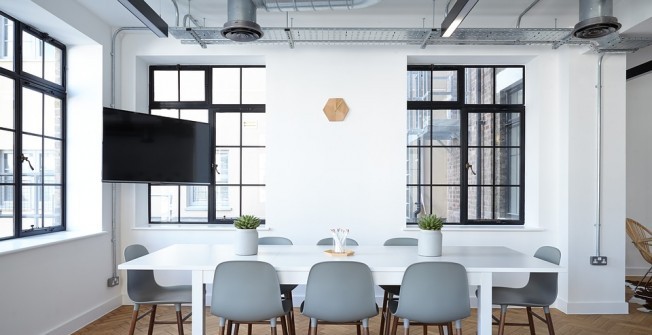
(404, 22)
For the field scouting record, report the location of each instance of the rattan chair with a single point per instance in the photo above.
(142, 288)
(642, 239)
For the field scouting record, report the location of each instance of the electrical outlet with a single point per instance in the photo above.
(598, 260)
(113, 281)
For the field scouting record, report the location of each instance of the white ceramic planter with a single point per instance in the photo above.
(246, 242)
(430, 243)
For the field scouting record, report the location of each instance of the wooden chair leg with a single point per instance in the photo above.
(365, 330)
(501, 324)
(220, 330)
(284, 325)
(383, 313)
(449, 328)
(530, 321)
(551, 328)
(152, 317)
(177, 308)
(441, 329)
(134, 318)
(229, 327)
(249, 328)
(288, 296)
(394, 324)
(357, 328)
(273, 330)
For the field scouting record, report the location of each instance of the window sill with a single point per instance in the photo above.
(33, 242)
(487, 228)
(189, 227)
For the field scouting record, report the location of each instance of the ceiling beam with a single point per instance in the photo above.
(147, 16)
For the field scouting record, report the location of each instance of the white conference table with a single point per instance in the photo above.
(387, 264)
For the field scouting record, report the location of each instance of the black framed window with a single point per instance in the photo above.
(231, 99)
(465, 144)
(32, 131)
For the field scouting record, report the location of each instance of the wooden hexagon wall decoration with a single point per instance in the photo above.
(336, 109)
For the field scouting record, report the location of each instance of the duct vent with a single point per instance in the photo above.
(242, 31)
(595, 19)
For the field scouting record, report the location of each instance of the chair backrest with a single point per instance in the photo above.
(544, 285)
(274, 240)
(401, 241)
(434, 292)
(140, 283)
(340, 291)
(329, 241)
(255, 299)
(641, 237)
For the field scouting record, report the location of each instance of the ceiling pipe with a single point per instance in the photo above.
(242, 27)
(518, 22)
(596, 19)
(598, 225)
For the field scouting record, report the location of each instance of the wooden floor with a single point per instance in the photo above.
(634, 323)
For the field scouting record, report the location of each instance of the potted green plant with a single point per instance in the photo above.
(246, 235)
(430, 238)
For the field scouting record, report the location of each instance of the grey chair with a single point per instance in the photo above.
(339, 292)
(142, 288)
(248, 301)
(392, 291)
(329, 241)
(432, 293)
(286, 289)
(540, 291)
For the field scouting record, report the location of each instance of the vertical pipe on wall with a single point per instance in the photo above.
(598, 158)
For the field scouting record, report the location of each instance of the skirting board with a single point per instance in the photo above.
(84, 319)
(596, 307)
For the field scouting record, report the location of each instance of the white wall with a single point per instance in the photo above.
(350, 174)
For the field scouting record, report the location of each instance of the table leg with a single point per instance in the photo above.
(198, 303)
(484, 304)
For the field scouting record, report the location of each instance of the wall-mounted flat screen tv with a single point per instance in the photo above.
(145, 148)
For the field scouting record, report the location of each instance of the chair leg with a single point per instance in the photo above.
(288, 296)
(641, 281)
(229, 327)
(530, 321)
(177, 307)
(501, 324)
(441, 330)
(249, 326)
(449, 328)
(357, 328)
(383, 312)
(134, 318)
(151, 320)
(551, 328)
(284, 325)
(394, 324)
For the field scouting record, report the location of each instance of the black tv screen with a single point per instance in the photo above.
(145, 148)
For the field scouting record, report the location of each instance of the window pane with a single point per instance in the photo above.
(53, 60)
(228, 165)
(166, 85)
(6, 156)
(446, 203)
(226, 85)
(198, 115)
(418, 85)
(7, 99)
(480, 203)
(32, 111)
(227, 200)
(253, 165)
(164, 202)
(6, 211)
(446, 166)
(193, 86)
(507, 203)
(33, 151)
(508, 166)
(414, 202)
(253, 200)
(7, 40)
(32, 209)
(416, 165)
(195, 206)
(444, 86)
(52, 206)
(32, 55)
(446, 127)
(227, 129)
(418, 126)
(254, 127)
(482, 162)
(171, 113)
(52, 116)
(253, 85)
(479, 86)
(52, 162)
(509, 85)
(508, 129)
(481, 129)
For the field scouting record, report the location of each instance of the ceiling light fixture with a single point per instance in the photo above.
(147, 16)
(453, 19)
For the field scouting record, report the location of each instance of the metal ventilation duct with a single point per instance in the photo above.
(242, 27)
(596, 19)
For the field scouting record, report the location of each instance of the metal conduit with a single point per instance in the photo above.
(599, 158)
(518, 22)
